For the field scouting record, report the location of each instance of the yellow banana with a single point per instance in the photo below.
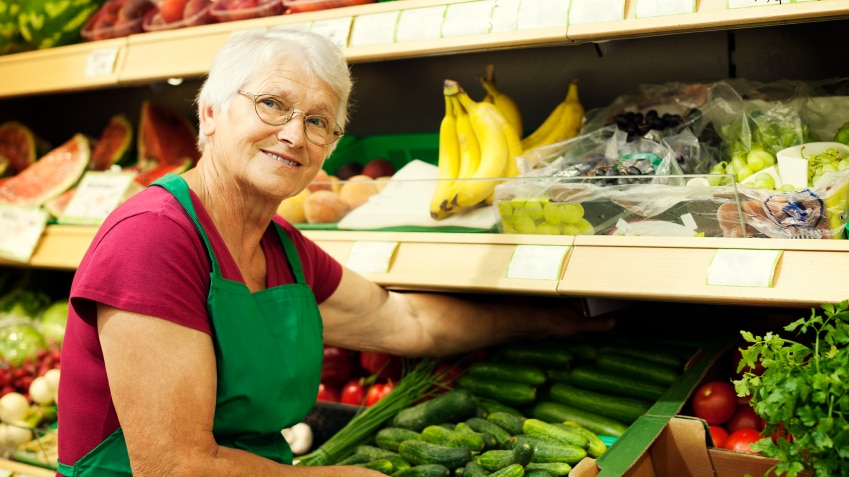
(448, 162)
(470, 151)
(555, 124)
(505, 104)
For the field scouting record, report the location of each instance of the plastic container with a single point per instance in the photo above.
(297, 6)
(399, 149)
(200, 14)
(116, 18)
(235, 10)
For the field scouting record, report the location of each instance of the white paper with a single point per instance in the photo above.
(101, 62)
(337, 29)
(472, 18)
(22, 228)
(374, 29)
(420, 24)
(657, 8)
(534, 14)
(537, 262)
(96, 196)
(594, 11)
(505, 15)
(755, 3)
(743, 268)
(371, 257)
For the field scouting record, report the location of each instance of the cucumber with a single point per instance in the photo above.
(596, 446)
(390, 437)
(540, 473)
(539, 428)
(557, 468)
(637, 367)
(507, 392)
(547, 450)
(452, 406)
(373, 452)
(491, 405)
(550, 411)
(419, 452)
(384, 466)
(489, 441)
(355, 459)
(473, 469)
(510, 372)
(661, 357)
(424, 470)
(494, 460)
(537, 354)
(452, 438)
(621, 408)
(559, 375)
(512, 470)
(510, 422)
(596, 379)
(480, 424)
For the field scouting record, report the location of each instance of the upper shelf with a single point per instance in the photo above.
(808, 274)
(188, 52)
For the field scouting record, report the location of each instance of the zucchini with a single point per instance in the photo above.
(498, 459)
(596, 379)
(419, 452)
(557, 468)
(489, 441)
(637, 367)
(621, 408)
(507, 392)
(539, 428)
(480, 424)
(510, 372)
(512, 470)
(596, 446)
(548, 450)
(491, 405)
(452, 406)
(473, 469)
(452, 438)
(537, 354)
(550, 411)
(510, 422)
(390, 437)
(424, 470)
(660, 357)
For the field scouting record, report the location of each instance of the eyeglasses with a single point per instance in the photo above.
(272, 110)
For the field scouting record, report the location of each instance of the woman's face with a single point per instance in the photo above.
(275, 161)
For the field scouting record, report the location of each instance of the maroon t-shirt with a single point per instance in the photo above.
(148, 257)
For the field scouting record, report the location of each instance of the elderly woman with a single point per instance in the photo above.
(187, 352)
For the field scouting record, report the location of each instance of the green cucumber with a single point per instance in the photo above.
(384, 466)
(596, 379)
(512, 470)
(497, 459)
(510, 422)
(419, 452)
(559, 375)
(480, 424)
(596, 446)
(510, 372)
(448, 437)
(373, 452)
(489, 441)
(539, 473)
(548, 450)
(621, 408)
(545, 430)
(652, 354)
(537, 354)
(452, 406)
(557, 468)
(550, 411)
(355, 459)
(424, 470)
(507, 392)
(491, 405)
(390, 437)
(473, 469)
(637, 367)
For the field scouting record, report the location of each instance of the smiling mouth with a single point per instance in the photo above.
(281, 159)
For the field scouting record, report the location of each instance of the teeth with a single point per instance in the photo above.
(281, 159)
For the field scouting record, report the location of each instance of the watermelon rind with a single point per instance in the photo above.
(164, 138)
(113, 145)
(49, 176)
(146, 176)
(18, 145)
(51, 23)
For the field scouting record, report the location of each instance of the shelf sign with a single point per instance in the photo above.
(537, 262)
(22, 228)
(505, 15)
(419, 24)
(743, 267)
(472, 18)
(101, 62)
(659, 8)
(374, 29)
(535, 14)
(595, 11)
(337, 29)
(371, 257)
(759, 3)
(6, 473)
(96, 196)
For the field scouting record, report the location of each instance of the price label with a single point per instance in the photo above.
(595, 11)
(505, 15)
(22, 228)
(743, 268)
(6, 473)
(96, 196)
(534, 14)
(472, 18)
(420, 24)
(101, 62)
(374, 29)
(371, 257)
(755, 3)
(537, 262)
(658, 8)
(337, 29)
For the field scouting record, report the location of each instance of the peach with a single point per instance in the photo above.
(321, 181)
(292, 209)
(357, 190)
(324, 207)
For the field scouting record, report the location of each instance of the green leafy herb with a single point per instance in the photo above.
(803, 393)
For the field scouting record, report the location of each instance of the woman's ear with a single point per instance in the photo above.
(206, 120)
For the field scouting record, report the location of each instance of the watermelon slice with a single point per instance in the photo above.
(113, 144)
(146, 177)
(17, 144)
(165, 138)
(49, 176)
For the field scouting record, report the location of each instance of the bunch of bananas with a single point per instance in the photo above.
(477, 144)
(564, 122)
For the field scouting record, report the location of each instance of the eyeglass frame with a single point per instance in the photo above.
(337, 132)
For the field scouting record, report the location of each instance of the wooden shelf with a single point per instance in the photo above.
(188, 52)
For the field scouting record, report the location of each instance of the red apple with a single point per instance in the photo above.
(378, 168)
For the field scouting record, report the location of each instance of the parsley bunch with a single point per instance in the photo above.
(803, 393)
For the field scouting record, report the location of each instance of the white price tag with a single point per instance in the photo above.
(374, 29)
(505, 15)
(472, 18)
(96, 196)
(743, 268)
(6, 473)
(337, 29)
(594, 11)
(755, 3)
(22, 228)
(538, 262)
(534, 14)
(371, 257)
(658, 8)
(101, 62)
(420, 24)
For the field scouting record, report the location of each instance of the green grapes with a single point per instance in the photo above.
(539, 215)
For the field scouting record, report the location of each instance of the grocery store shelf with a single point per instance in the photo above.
(188, 52)
(809, 273)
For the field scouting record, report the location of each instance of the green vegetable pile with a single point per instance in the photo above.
(803, 393)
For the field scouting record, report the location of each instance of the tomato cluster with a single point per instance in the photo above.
(357, 378)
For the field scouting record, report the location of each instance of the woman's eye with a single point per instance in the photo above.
(318, 121)
(271, 103)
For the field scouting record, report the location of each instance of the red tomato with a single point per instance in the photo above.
(353, 393)
(745, 417)
(383, 365)
(377, 392)
(715, 402)
(738, 356)
(718, 434)
(171, 10)
(740, 440)
(327, 393)
(337, 366)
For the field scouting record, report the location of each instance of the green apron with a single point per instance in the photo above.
(268, 347)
